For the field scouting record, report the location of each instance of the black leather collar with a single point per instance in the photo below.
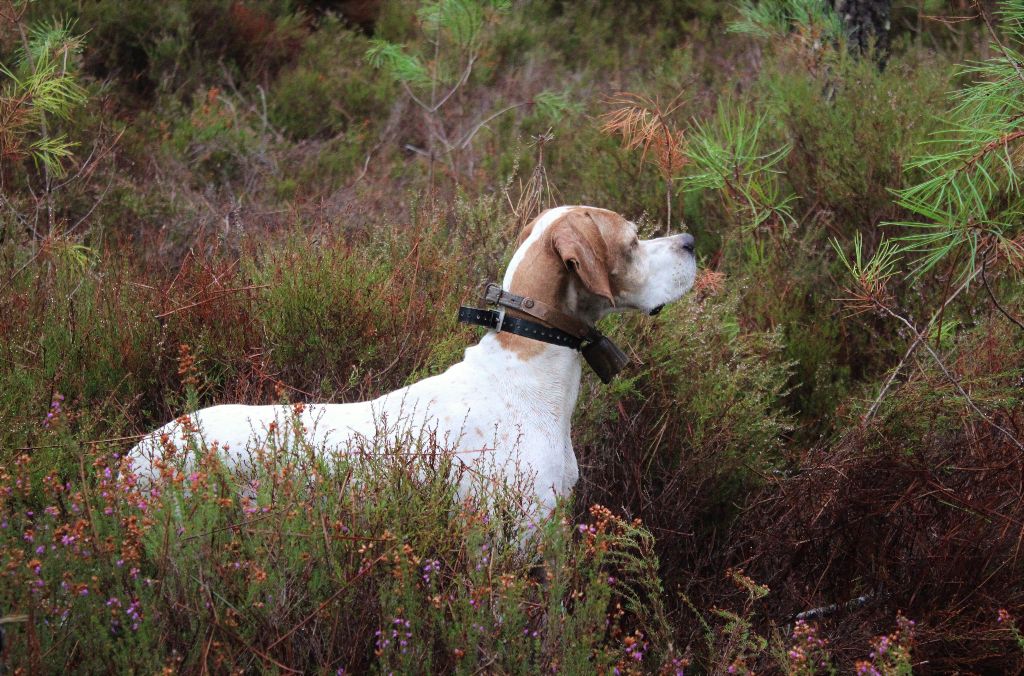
(499, 321)
(600, 353)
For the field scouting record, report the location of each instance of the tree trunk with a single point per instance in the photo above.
(867, 25)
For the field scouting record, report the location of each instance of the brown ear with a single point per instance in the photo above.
(578, 242)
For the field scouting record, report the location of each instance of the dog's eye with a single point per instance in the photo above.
(635, 243)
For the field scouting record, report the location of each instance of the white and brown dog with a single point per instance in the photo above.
(506, 407)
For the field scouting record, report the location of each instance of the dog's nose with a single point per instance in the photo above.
(686, 241)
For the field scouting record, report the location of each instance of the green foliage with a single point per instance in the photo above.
(328, 91)
(121, 572)
(774, 18)
(730, 437)
(399, 65)
(41, 84)
(728, 156)
(91, 349)
(969, 199)
(339, 319)
(871, 273)
(461, 20)
(215, 137)
(436, 70)
(841, 158)
(454, 30)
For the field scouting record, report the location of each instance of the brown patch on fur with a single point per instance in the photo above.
(586, 241)
(527, 231)
(579, 242)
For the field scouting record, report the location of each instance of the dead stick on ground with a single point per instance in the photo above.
(218, 296)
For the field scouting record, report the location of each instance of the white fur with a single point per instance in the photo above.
(498, 411)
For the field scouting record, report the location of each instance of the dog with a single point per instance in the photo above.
(506, 407)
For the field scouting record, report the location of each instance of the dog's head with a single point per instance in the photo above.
(589, 262)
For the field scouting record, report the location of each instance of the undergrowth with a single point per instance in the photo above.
(811, 465)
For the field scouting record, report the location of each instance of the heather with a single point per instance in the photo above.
(812, 465)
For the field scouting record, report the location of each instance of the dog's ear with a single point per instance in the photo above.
(577, 240)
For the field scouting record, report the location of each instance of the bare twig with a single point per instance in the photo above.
(917, 342)
(464, 141)
(995, 36)
(984, 280)
(949, 376)
(218, 296)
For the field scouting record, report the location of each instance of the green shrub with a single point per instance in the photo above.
(350, 318)
(844, 160)
(73, 329)
(345, 564)
(215, 139)
(329, 90)
(690, 430)
(180, 45)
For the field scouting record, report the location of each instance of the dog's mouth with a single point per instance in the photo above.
(656, 310)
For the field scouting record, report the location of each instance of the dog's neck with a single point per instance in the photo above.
(547, 374)
(547, 379)
(549, 371)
